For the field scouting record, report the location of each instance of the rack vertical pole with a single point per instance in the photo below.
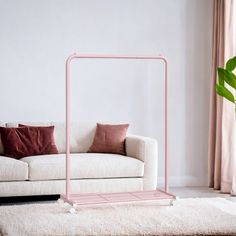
(166, 127)
(68, 128)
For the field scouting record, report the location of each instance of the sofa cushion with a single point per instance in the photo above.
(83, 165)
(28, 141)
(12, 169)
(109, 139)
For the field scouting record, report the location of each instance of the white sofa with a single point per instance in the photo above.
(90, 172)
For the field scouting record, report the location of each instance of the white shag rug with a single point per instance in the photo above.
(196, 216)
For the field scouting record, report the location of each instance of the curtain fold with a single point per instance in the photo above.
(222, 115)
(233, 22)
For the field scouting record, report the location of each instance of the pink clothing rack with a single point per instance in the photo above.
(101, 198)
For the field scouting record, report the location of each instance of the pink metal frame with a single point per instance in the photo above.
(113, 197)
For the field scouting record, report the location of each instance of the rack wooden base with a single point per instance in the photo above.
(103, 198)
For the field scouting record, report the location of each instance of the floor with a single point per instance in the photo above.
(190, 192)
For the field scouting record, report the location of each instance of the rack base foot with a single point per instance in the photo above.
(72, 210)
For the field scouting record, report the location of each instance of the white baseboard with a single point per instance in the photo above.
(183, 181)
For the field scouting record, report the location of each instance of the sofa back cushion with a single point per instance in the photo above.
(81, 138)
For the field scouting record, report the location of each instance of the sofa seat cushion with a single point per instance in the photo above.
(83, 166)
(12, 169)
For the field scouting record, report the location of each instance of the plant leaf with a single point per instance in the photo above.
(224, 92)
(231, 64)
(227, 76)
(220, 75)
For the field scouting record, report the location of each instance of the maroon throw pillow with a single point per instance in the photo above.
(28, 141)
(109, 139)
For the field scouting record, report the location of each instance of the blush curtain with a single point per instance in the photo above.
(222, 115)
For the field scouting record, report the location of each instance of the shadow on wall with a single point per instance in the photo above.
(197, 89)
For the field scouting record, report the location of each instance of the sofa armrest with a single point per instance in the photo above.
(146, 150)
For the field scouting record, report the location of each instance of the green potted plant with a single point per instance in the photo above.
(226, 75)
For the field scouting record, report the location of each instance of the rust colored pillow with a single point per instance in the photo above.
(109, 139)
(28, 141)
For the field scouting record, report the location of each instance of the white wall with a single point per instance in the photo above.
(37, 36)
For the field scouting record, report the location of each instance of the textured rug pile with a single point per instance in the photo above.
(199, 216)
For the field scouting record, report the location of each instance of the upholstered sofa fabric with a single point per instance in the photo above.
(146, 150)
(83, 166)
(90, 172)
(26, 188)
(12, 169)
